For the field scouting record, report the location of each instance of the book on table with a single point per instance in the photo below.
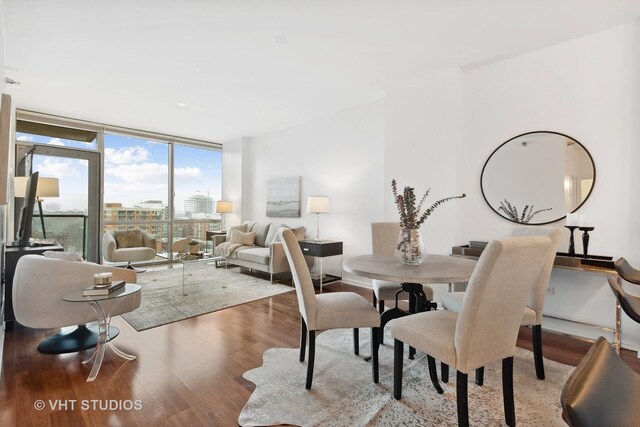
(93, 291)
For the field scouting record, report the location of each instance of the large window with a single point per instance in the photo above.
(163, 184)
(137, 179)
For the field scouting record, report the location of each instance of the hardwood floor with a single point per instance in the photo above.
(186, 373)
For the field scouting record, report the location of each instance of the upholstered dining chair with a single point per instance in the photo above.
(626, 271)
(333, 310)
(601, 391)
(485, 329)
(384, 239)
(532, 315)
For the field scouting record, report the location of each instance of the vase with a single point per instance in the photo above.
(410, 248)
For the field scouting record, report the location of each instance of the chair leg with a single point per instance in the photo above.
(444, 372)
(480, 376)
(374, 354)
(356, 341)
(303, 337)
(312, 356)
(462, 399)
(536, 334)
(433, 373)
(381, 310)
(507, 391)
(398, 352)
(374, 299)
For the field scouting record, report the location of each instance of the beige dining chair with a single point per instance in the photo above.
(334, 310)
(384, 239)
(485, 329)
(532, 314)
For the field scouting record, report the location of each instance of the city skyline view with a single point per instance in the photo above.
(135, 171)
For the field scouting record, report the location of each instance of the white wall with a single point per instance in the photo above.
(586, 88)
(438, 131)
(422, 139)
(340, 156)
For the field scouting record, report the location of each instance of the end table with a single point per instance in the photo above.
(322, 249)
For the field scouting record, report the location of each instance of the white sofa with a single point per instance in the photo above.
(267, 253)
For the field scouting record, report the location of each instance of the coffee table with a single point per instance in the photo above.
(104, 320)
(188, 259)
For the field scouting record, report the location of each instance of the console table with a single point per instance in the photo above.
(595, 264)
(12, 254)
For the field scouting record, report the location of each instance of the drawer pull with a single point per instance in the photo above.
(305, 249)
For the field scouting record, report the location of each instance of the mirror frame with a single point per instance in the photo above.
(593, 166)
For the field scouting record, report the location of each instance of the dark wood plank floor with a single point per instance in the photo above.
(187, 373)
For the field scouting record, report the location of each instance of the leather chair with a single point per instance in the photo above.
(601, 391)
(332, 310)
(630, 304)
(485, 329)
(627, 272)
(128, 246)
(532, 315)
(38, 286)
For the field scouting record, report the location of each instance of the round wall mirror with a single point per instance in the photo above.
(538, 177)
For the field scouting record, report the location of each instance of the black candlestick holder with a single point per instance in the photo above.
(572, 246)
(585, 238)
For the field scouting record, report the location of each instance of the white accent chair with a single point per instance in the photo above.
(332, 310)
(487, 326)
(134, 246)
(38, 286)
(384, 239)
(532, 315)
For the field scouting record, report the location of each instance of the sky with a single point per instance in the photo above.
(136, 170)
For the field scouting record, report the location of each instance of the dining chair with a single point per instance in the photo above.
(384, 240)
(532, 314)
(601, 391)
(333, 310)
(630, 304)
(486, 327)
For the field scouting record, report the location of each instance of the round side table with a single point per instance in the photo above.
(104, 320)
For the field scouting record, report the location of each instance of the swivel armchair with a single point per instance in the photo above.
(128, 246)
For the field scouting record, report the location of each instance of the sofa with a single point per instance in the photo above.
(256, 246)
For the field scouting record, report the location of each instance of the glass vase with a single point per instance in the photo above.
(410, 248)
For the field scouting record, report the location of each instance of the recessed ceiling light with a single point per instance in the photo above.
(181, 104)
(281, 39)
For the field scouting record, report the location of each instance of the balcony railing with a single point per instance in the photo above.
(70, 230)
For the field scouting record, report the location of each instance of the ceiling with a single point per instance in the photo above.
(221, 69)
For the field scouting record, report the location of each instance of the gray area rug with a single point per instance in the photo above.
(343, 393)
(208, 289)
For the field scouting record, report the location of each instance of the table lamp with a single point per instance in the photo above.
(223, 207)
(318, 205)
(47, 187)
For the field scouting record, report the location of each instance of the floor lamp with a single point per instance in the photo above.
(318, 205)
(223, 207)
(47, 187)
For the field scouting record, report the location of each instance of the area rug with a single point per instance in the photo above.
(208, 289)
(343, 393)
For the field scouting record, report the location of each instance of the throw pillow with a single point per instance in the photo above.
(242, 228)
(129, 239)
(246, 239)
(67, 256)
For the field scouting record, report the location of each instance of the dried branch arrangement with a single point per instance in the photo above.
(410, 217)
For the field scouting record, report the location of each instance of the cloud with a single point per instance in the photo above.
(188, 172)
(29, 138)
(60, 168)
(56, 141)
(149, 173)
(126, 156)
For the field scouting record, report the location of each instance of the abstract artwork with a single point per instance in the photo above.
(283, 197)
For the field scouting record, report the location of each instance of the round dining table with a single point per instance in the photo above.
(434, 269)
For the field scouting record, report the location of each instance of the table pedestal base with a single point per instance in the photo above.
(81, 338)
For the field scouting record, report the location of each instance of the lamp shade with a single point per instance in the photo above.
(318, 204)
(223, 207)
(47, 187)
